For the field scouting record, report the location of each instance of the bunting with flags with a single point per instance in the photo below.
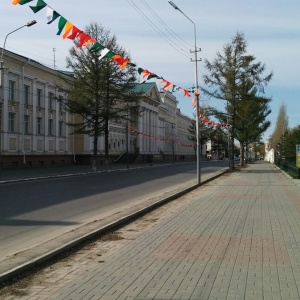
(72, 32)
(159, 138)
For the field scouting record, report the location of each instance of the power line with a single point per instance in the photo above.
(162, 34)
(46, 61)
(168, 29)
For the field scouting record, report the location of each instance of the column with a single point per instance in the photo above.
(5, 111)
(147, 131)
(20, 114)
(140, 129)
(34, 115)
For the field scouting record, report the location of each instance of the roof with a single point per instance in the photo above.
(143, 88)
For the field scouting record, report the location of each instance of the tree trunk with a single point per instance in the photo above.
(232, 138)
(231, 152)
(242, 154)
(95, 152)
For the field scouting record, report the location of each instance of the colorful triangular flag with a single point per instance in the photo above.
(75, 32)
(68, 27)
(96, 47)
(22, 2)
(39, 6)
(104, 52)
(52, 15)
(15, 2)
(61, 25)
(84, 38)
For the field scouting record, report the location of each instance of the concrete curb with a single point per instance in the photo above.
(101, 231)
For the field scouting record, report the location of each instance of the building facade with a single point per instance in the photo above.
(34, 130)
(33, 122)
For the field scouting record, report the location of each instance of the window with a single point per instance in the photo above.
(11, 87)
(61, 128)
(39, 125)
(11, 122)
(60, 102)
(39, 97)
(26, 94)
(50, 127)
(50, 98)
(26, 124)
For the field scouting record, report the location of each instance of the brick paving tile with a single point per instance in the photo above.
(237, 237)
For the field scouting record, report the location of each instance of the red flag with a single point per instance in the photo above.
(74, 34)
(83, 39)
(167, 84)
(186, 93)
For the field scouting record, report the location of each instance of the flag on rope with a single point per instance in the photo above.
(21, 2)
(51, 15)
(39, 6)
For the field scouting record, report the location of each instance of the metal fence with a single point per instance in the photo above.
(290, 168)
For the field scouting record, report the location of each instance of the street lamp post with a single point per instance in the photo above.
(1, 83)
(1, 59)
(196, 94)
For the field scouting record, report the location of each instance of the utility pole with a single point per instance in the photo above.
(197, 94)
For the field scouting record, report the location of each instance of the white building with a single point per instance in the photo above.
(34, 128)
(269, 152)
(33, 123)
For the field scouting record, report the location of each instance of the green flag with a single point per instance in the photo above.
(61, 25)
(22, 2)
(40, 5)
(96, 47)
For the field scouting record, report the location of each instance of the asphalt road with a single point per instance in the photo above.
(35, 211)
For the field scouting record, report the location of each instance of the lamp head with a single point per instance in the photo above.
(31, 23)
(174, 5)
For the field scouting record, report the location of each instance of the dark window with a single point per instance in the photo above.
(26, 123)
(50, 98)
(12, 86)
(50, 127)
(11, 122)
(39, 97)
(26, 94)
(39, 125)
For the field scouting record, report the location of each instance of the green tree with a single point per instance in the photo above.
(219, 140)
(100, 92)
(287, 144)
(251, 119)
(226, 79)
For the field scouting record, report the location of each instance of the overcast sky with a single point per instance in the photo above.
(159, 38)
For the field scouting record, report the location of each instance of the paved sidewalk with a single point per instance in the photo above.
(237, 237)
